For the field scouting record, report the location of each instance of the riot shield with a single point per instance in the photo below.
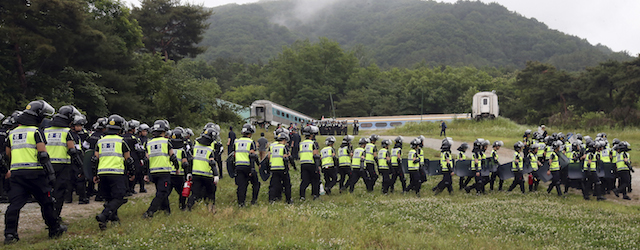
(265, 171)
(463, 168)
(434, 168)
(526, 166)
(87, 165)
(405, 166)
(575, 171)
(231, 166)
(606, 170)
(542, 172)
(504, 171)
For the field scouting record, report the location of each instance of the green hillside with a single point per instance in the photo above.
(399, 33)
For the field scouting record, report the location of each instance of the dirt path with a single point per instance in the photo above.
(31, 221)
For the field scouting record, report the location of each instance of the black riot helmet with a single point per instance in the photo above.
(101, 123)
(79, 120)
(374, 138)
(159, 126)
(11, 121)
(39, 109)
(306, 130)
(518, 146)
(207, 136)
(463, 147)
(385, 143)
(133, 125)
(282, 137)
(115, 123)
(178, 133)
(446, 145)
(247, 129)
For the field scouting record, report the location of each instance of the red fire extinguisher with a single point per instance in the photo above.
(530, 180)
(186, 189)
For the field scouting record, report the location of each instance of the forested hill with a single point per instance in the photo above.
(399, 33)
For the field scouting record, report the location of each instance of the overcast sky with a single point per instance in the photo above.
(614, 23)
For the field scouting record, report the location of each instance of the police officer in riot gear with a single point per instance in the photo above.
(357, 164)
(141, 151)
(245, 159)
(161, 158)
(592, 181)
(329, 160)
(65, 157)
(623, 166)
(370, 158)
(446, 165)
(204, 171)
(78, 178)
(476, 166)
(90, 145)
(30, 171)
(396, 166)
(309, 171)
(111, 162)
(279, 166)
(134, 144)
(517, 167)
(554, 167)
(344, 161)
(183, 153)
(414, 166)
(384, 161)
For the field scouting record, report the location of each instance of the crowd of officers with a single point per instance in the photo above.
(46, 159)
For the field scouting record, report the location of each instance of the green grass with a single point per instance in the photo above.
(370, 220)
(366, 220)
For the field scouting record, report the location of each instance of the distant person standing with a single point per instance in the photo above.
(443, 129)
(542, 130)
(262, 146)
(231, 140)
(356, 127)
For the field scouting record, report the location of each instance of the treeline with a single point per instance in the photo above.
(399, 33)
(306, 76)
(104, 58)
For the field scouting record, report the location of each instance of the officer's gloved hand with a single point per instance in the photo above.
(216, 179)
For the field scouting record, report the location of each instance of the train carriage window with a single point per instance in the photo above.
(277, 112)
(287, 115)
(381, 124)
(396, 124)
(485, 101)
(366, 125)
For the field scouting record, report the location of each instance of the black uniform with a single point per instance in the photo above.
(397, 172)
(78, 177)
(90, 144)
(25, 183)
(246, 174)
(162, 181)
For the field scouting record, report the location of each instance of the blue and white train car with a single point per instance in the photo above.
(388, 122)
(263, 111)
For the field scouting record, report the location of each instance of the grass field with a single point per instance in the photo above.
(362, 220)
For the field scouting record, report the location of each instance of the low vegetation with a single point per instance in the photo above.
(372, 220)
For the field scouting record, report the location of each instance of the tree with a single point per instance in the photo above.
(172, 29)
